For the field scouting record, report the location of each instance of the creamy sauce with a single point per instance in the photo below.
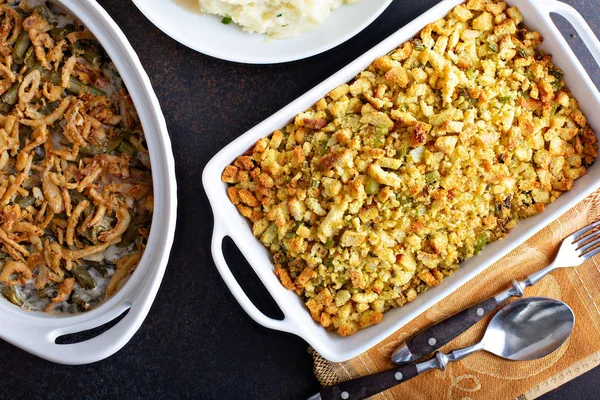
(190, 5)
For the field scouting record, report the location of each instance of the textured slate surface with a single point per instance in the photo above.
(197, 342)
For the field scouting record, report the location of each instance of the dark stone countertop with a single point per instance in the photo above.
(197, 341)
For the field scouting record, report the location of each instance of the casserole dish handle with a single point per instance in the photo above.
(285, 325)
(581, 26)
(40, 339)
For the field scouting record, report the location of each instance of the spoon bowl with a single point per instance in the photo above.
(529, 329)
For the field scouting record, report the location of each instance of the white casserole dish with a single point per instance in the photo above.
(36, 332)
(228, 222)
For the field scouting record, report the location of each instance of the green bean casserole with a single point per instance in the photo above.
(75, 180)
(383, 187)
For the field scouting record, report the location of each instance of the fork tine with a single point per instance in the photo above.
(591, 254)
(588, 246)
(586, 239)
(577, 235)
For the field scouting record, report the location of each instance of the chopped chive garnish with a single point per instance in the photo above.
(226, 20)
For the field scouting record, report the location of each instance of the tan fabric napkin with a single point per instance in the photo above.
(483, 376)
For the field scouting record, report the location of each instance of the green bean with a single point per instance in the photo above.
(46, 292)
(116, 140)
(92, 150)
(24, 134)
(91, 89)
(10, 97)
(136, 163)
(25, 202)
(99, 267)
(30, 58)
(5, 108)
(113, 143)
(125, 147)
(108, 147)
(21, 46)
(40, 10)
(75, 86)
(92, 56)
(137, 222)
(83, 277)
(37, 67)
(11, 294)
(59, 34)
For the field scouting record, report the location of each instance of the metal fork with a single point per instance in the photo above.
(574, 250)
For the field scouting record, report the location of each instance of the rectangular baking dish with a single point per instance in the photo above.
(36, 332)
(228, 221)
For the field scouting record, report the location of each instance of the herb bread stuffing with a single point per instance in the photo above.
(383, 187)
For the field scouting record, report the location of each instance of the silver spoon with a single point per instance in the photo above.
(523, 330)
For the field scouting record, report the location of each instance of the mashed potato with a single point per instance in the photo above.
(276, 18)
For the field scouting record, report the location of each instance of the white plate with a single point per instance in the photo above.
(229, 222)
(206, 33)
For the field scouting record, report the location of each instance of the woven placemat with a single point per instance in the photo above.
(483, 376)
